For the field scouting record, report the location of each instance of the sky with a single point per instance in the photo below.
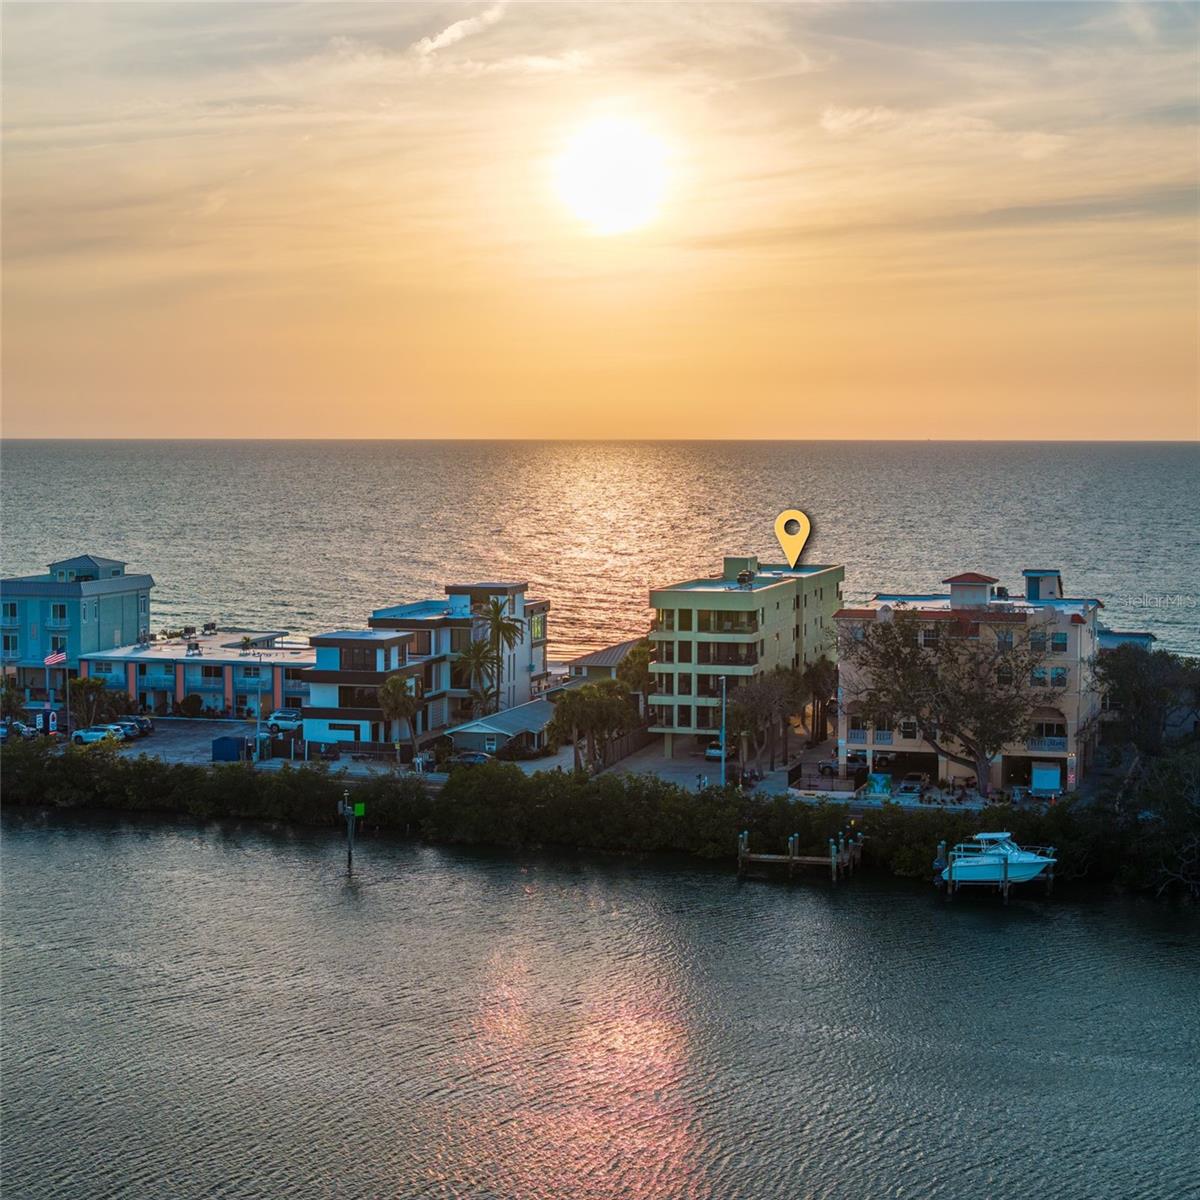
(933, 220)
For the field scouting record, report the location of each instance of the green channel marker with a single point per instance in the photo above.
(360, 809)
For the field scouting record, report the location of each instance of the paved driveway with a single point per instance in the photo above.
(178, 740)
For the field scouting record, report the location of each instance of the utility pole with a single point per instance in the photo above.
(724, 743)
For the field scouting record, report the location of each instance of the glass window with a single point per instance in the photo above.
(58, 612)
(537, 627)
(1037, 641)
(10, 610)
(1058, 677)
(685, 620)
(908, 729)
(213, 672)
(684, 716)
(1004, 639)
(1037, 677)
(58, 642)
(685, 652)
(685, 685)
(11, 644)
(929, 637)
(251, 672)
(1058, 643)
(664, 619)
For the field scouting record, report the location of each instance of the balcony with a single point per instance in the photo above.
(856, 736)
(58, 622)
(883, 737)
(1046, 743)
(719, 654)
(729, 626)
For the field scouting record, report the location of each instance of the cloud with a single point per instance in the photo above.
(457, 31)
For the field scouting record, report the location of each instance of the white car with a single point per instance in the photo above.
(713, 752)
(285, 720)
(97, 733)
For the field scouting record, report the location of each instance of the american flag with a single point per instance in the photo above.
(53, 660)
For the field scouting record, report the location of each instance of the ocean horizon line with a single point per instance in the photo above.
(1189, 441)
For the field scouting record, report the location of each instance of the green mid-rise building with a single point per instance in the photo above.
(745, 622)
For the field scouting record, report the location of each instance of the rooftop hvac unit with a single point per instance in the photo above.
(745, 578)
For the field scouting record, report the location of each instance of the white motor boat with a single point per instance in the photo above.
(996, 858)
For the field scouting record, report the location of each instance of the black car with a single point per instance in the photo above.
(145, 724)
(471, 758)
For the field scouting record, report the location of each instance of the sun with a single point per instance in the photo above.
(612, 175)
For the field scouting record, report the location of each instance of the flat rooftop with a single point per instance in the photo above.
(363, 635)
(941, 603)
(418, 610)
(768, 575)
(224, 646)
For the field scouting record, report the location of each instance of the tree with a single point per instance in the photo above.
(92, 702)
(502, 632)
(633, 672)
(596, 713)
(399, 702)
(476, 659)
(1144, 687)
(756, 708)
(12, 698)
(821, 679)
(971, 689)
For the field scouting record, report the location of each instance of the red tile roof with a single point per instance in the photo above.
(970, 577)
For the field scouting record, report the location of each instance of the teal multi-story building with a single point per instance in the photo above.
(80, 606)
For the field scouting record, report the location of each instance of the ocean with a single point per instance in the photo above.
(311, 536)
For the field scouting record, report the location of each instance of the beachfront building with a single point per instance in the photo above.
(523, 726)
(79, 606)
(1063, 736)
(742, 623)
(443, 628)
(228, 673)
(422, 641)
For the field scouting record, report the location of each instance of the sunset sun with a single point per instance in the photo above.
(612, 175)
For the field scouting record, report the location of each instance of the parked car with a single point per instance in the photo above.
(129, 727)
(285, 720)
(714, 751)
(470, 758)
(910, 785)
(855, 760)
(145, 724)
(96, 733)
(16, 729)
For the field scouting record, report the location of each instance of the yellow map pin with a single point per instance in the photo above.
(792, 528)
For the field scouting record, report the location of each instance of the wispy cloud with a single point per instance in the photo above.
(455, 32)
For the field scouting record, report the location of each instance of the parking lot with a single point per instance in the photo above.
(177, 739)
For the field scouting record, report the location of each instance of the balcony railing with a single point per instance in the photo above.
(720, 654)
(58, 622)
(883, 737)
(729, 626)
(1046, 743)
(858, 736)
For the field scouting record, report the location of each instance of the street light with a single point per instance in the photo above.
(724, 744)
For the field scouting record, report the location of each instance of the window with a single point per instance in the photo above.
(101, 668)
(1004, 639)
(664, 619)
(929, 637)
(460, 639)
(358, 697)
(58, 612)
(1004, 675)
(10, 610)
(664, 685)
(537, 627)
(211, 672)
(684, 716)
(908, 729)
(685, 685)
(685, 652)
(11, 645)
(251, 672)
(1058, 677)
(685, 620)
(358, 658)
(1058, 643)
(1037, 677)
(356, 730)
(1037, 641)
(143, 603)
(665, 652)
(83, 612)
(58, 642)
(1049, 729)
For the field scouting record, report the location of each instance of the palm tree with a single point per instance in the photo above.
(399, 703)
(572, 714)
(503, 633)
(477, 659)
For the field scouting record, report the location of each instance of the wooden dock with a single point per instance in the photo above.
(844, 854)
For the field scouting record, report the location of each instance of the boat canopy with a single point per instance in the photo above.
(992, 837)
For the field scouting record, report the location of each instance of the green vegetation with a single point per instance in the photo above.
(596, 713)
(399, 702)
(1148, 840)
